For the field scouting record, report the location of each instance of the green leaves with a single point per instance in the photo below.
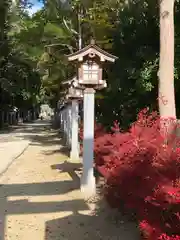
(33, 49)
(19, 82)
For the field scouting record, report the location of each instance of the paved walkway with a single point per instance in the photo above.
(15, 141)
(40, 197)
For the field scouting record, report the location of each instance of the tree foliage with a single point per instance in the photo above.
(33, 50)
(19, 80)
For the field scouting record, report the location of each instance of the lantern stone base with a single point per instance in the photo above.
(74, 156)
(88, 186)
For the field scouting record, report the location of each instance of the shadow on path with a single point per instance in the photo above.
(10, 207)
(81, 223)
(41, 133)
(101, 223)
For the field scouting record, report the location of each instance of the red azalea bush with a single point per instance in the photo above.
(144, 174)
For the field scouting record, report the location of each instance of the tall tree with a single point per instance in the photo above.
(167, 105)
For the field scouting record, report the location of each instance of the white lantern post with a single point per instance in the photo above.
(74, 154)
(90, 60)
(74, 94)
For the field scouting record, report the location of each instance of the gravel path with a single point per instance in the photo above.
(40, 199)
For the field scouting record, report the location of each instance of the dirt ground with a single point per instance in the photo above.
(40, 199)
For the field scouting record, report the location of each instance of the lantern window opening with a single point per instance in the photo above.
(90, 71)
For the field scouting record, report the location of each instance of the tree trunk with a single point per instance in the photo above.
(166, 66)
(166, 94)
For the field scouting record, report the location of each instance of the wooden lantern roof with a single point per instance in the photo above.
(92, 49)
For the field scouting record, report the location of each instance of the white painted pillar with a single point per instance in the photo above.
(63, 117)
(88, 184)
(61, 120)
(74, 155)
(65, 123)
(69, 126)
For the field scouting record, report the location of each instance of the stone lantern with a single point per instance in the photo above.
(90, 65)
(90, 62)
(74, 94)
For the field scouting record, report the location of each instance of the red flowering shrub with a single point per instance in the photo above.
(144, 174)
